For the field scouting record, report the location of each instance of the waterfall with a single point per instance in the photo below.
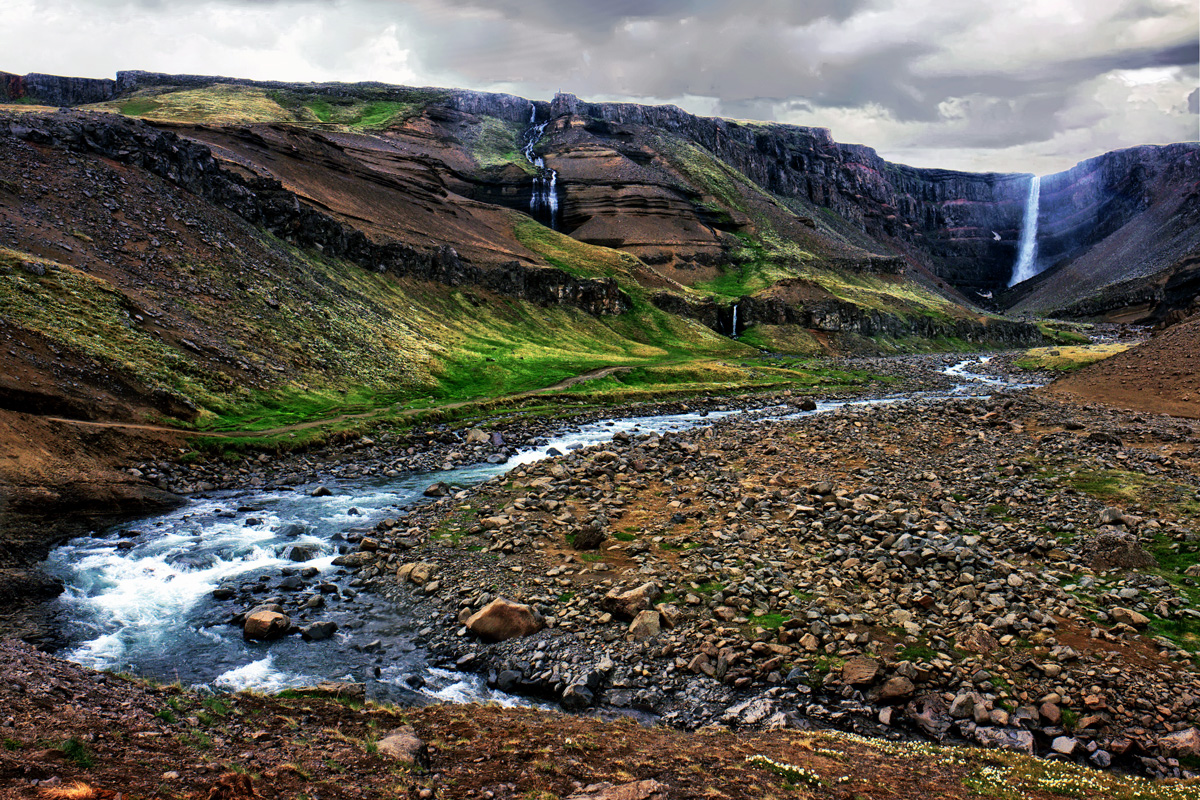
(543, 203)
(1027, 249)
(733, 329)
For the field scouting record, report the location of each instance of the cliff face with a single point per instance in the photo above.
(264, 202)
(56, 90)
(1118, 236)
(945, 219)
(619, 188)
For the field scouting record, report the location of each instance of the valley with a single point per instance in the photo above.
(331, 409)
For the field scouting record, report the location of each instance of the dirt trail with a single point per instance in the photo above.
(600, 372)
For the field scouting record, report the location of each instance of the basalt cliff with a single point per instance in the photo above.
(683, 193)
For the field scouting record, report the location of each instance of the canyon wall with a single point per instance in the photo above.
(964, 227)
(266, 203)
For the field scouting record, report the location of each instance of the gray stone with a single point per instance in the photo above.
(635, 790)
(645, 625)
(1005, 739)
(404, 746)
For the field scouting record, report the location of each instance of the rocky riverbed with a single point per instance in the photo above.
(1005, 570)
(955, 569)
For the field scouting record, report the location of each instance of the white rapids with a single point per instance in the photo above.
(139, 596)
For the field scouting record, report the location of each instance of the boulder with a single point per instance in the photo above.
(577, 696)
(964, 705)
(896, 688)
(645, 625)
(1050, 713)
(503, 619)
(628, 604)
(423, 572)
(860, 671)
(807, 404)
(1065, 745)
(1129, 617)
(265, 625)
(589, 538)
(1181, 743)
(319, 631)
(635, 790)
(404, 746)
(476, 436)
(321, 491)
(978, 640)
(439, 489)
(929, 712)
(1005, 739)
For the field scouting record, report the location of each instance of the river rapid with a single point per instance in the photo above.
(140, 596)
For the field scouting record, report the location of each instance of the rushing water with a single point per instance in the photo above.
(1026, 266)
(543, 203)
(139, 596)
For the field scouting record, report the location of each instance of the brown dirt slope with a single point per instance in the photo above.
(1161, 376)
(62, 724)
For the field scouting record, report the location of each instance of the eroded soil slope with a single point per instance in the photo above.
(1161, 376)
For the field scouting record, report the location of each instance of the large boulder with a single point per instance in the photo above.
(404, 746)
(1129, 617)
(1005, 739)
(636, 790)
(628, 605)
(860, 671)
(1181, 743)
(503, 619)
(646, 625)
(265, 625)
(931, 715)
(1116, 549)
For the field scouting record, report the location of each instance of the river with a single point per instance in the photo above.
(139, 596)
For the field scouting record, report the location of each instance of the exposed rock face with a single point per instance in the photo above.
(266, 203)
(56, 90)
(837, 316)
(1127, 223)
(942, 216)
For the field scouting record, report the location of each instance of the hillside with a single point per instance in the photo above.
(1160, 376)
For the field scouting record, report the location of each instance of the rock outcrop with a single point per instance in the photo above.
(264, 202)
(56, 90)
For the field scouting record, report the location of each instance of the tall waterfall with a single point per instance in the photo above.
(1026, 266)
(543, 203)
(733, 330)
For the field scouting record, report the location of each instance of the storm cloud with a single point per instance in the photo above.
(1006, 85)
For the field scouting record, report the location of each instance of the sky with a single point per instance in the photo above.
(1004, 85)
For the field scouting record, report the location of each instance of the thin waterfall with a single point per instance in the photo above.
(1027, 248)
(733, 330)
(543, 203)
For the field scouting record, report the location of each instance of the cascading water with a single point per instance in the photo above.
(733, 329)
(1027, 249)
(543, 204)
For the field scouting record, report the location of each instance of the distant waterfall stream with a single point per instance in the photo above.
(544, 202)
(1027, 249)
